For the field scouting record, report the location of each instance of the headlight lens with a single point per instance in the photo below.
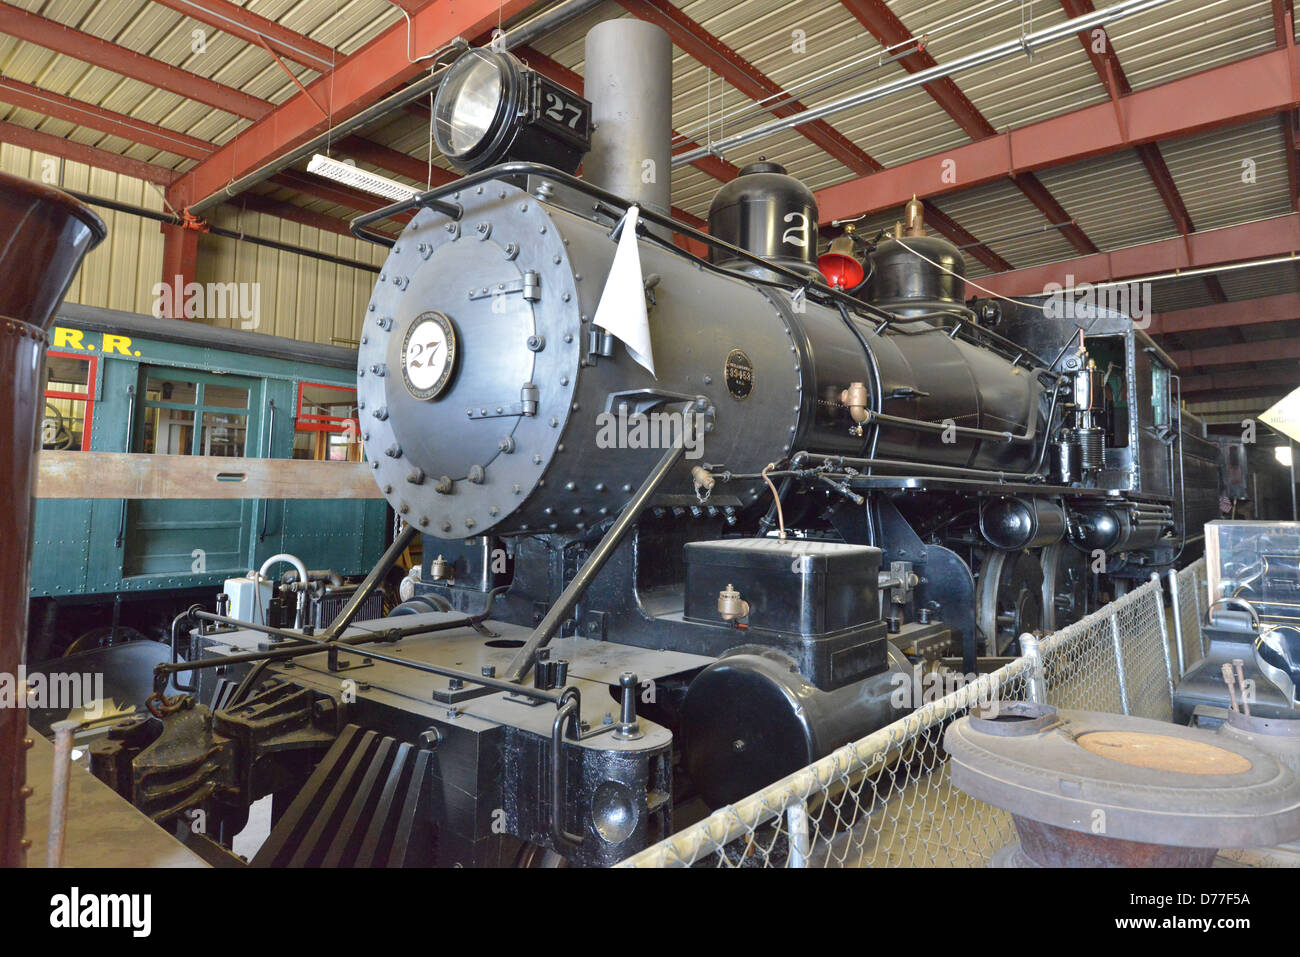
(466, 104)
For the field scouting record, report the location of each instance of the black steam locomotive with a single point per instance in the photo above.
(642, 589)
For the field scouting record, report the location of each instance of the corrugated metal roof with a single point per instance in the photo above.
(815, 48)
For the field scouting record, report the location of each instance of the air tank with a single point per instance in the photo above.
(769, 213)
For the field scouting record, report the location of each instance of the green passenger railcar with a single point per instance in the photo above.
(121, 382)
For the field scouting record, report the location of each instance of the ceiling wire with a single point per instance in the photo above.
(867, 60)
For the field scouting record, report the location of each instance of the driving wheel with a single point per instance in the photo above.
(1065, 585)
(1010, 600)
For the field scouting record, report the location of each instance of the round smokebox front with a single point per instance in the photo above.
(464, 374)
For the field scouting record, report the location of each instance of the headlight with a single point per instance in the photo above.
(491, 108)
(467, 104)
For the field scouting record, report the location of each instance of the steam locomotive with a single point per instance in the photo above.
(863, 472)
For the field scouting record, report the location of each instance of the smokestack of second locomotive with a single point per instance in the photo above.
(44, 235)
(629, 81)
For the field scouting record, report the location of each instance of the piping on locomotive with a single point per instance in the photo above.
(890, 477)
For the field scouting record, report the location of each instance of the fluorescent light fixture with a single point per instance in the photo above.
(349, 174)
(1284, 417)
(1283, 455)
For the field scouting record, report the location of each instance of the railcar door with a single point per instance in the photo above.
(61, 537)
(189, 412)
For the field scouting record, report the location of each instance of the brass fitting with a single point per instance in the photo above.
(856, 398)
(440, 570)
(730, 605)
(914, 217)
(703, 479)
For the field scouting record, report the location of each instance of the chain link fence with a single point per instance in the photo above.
(886, 800)
(1188, 593)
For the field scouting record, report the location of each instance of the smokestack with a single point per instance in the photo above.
(629, 80)
(44, 235)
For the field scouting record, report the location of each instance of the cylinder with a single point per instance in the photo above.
(629, 81)
(46, 235)
(749, 719)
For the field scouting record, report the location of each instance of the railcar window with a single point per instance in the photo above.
(175, 406)
(1160, 396)
(326, 427)
(224, 434)
(68, 413)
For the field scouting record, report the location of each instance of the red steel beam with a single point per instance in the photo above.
(359, 81)
(335, 193)
(1105, 62)
(744, 76)
(81, 113)
(180, 261)
(110, 56)
(1278, 236)
(1038, 194)
(235, 20)
(1240, 353)
(883, 24)
(97, 158)
(295, 214)
(1246, 312)
(714, 166)
(1284, 38)
(1264, 379)
(88, 48)
(945, 224)
(90, 155)
(704, 47)
(1234, 93)
(394, 161)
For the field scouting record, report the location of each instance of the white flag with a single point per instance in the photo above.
(621, 310)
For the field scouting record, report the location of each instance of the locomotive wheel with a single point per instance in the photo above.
(99, 638)
(1065, 585)
(1010, 600)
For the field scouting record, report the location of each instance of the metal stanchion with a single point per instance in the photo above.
(796, 817)
(1164, 635)
(63, 732)
(1178, 619)
(1119, 662)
